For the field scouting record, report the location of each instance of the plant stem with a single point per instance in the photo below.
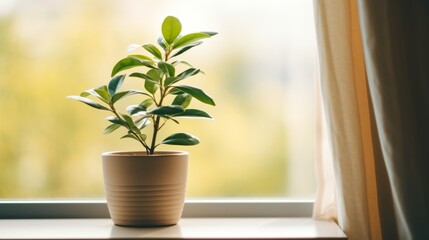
(157, 119)
(167, 53)
(163, 92)
(155, 133)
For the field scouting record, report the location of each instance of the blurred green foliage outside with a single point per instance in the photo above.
(259, 70)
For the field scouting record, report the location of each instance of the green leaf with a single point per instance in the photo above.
(186, 49)
(193, 113)
(189, 72)
(89, 102)
(142, 107)
(171, 28)
(161, 42)
(181, 139)
(130, 123)
(182, 62)
(210, 33)
(153, 50)
(104, 93)
(181, 76)
(134, 109)
(170, 80)
(129, 135)
(121, 95)
(142, 58)
(126, 63)
(146, 103)
(118, 121)
(100, 94)
(196, 93)
(174, 91)
(150, 86)
(166, 110)
(155, 74)
(167, 68)
(170, 118)
(148, 64)
(115, 83)
(183, 100)
(189, 38)
(143, 136)
(111, 128)
(144, 76)
(87, 93)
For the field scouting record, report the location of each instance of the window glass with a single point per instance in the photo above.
(259, 70)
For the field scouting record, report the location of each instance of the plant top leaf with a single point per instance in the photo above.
(210, 33)
(189, 38)
(182, 50)
(171, 28)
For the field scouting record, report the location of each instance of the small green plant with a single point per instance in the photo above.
(160, 81)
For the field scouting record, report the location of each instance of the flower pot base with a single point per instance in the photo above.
(145, 191)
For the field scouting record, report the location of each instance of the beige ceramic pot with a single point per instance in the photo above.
(144, 190)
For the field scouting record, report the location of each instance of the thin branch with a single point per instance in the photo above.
(130, 129)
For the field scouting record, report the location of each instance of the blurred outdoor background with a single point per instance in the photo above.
(260, 70)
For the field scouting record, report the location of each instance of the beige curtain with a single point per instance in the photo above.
(374, 79)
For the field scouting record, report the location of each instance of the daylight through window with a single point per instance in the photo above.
(259, 69)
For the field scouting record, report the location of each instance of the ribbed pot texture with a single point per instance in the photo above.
(145, 191)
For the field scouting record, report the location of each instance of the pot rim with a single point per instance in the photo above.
(143, 153)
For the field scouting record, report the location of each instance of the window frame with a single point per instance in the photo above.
(194, 208)
(97, 208)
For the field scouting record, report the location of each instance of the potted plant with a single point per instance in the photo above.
(147, 188)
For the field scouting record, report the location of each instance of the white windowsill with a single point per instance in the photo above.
(202, 219)
(188, 228)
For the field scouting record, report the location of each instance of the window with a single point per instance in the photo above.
(259, 70)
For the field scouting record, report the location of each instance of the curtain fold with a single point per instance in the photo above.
(345, 99)
(396, 51)
(374, 80)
